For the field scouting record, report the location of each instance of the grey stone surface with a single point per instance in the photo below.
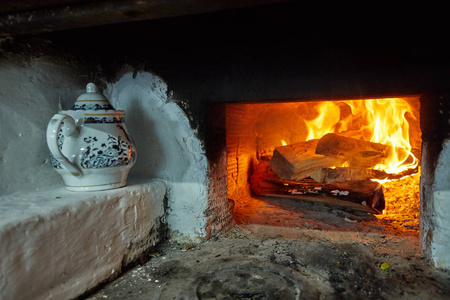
(319, 264)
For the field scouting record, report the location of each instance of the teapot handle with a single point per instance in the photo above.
(70, 130)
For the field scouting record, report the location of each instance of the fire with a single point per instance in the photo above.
(390, 127)
(380, 121)
(329, 117)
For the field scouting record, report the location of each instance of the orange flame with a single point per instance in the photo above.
(329, 117)
(377, 120)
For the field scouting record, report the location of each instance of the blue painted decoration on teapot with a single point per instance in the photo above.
(90, 146)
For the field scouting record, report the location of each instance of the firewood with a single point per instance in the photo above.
(364, 159)
(297, 161)
(362, 195)
(340, 146)
(358, 153)
(328, 175)
(333, 175)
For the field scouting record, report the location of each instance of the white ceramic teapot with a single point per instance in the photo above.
(90, 145)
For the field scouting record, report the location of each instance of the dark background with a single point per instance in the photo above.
(275, 52)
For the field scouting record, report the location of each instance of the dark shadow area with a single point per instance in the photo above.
(271, 52)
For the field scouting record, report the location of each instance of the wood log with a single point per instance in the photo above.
(357, 153)
(298, 161)
(364, 159)
(340, 146)
(363, 195)
(328, 175)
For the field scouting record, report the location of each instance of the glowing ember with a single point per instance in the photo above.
(402, 204)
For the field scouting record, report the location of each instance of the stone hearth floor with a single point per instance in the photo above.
(267, 262)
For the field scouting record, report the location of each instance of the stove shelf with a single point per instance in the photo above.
(60, 244)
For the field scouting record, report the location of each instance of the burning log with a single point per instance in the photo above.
(333, 175)
(315, 157)
(297, 161)
(341, 146)
(318, 160)
(362, 195)
(364, 159)
(303, 159)
(358, 153)
(327, 175)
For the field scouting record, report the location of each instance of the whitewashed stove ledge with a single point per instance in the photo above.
(57, 244)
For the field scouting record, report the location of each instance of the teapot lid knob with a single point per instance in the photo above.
(92, 100)
(91, 88)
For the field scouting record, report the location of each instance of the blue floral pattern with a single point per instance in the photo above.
(54, 162)
(112, 153)
(60, 140)
(92, 106)
(103, 120)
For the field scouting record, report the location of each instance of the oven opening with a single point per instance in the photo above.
(326, 164)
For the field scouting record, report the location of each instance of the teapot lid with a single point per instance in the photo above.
(92, 100)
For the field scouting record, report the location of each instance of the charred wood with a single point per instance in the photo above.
(362, 195)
